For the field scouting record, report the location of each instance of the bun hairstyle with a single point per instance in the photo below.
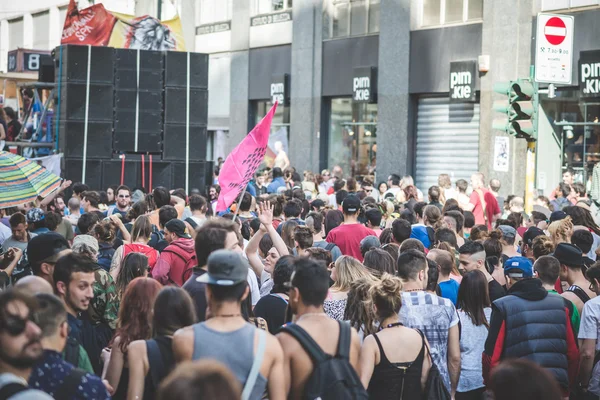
(104, 231)
(542, 246)
(493, 249)
(561, 231)
(386, 295)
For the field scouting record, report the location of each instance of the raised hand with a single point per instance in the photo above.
(265, 213)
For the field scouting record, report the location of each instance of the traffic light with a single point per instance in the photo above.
(520, 107)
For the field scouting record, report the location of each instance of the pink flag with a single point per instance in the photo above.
(243, 161)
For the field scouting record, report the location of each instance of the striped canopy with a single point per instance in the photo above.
(22, 180)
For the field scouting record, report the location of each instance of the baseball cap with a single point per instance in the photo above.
(368, 242)
(351, 204)
(531, 233)
(557, 216)
(225, 268)
(177, 227)
(568, 254)
(518, 267)
(35, 215)
(42, 247)
(508, 231)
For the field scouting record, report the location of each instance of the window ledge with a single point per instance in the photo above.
(475, 21)
(351, 36)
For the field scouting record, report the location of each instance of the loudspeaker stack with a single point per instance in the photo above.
(136, 104)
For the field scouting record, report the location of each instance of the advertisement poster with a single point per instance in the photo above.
(501, 154)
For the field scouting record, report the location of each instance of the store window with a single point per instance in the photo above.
(353, 136)
(576, 125)
(211, 11)
(445, 12)
(258, 7)
(280, 127)
(342, 18)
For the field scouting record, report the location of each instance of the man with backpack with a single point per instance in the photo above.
(52, 374)
(174, 266)
(253, 355)
(20, 347)
(321, 354)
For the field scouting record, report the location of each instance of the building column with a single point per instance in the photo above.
(506, 38)
(240, 41)
(393, 139)
(305, 99)
(27, 31)
(55, 26)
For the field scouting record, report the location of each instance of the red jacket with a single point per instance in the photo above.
(175, 262)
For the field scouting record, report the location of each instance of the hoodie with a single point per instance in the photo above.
(175, 263)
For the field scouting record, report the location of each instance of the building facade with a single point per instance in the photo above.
(376, 86)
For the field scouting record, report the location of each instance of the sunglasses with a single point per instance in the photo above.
(15, 326)
(126, 196)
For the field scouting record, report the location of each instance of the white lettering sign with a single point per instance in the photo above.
(361, 87)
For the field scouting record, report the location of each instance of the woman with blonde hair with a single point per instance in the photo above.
(140, 236)
(387, 370)
(345, 271)
(561, 231)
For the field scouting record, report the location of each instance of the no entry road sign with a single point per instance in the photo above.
(554, 49)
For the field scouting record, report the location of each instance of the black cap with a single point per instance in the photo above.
(45, 246)
(225, 268)
(351, 204)
(557, 216)
(177, 227)
(531, 233)
(568, 254)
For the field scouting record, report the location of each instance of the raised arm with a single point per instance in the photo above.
(48, 199)
(252, 251)
(116, 219)
(266, 220)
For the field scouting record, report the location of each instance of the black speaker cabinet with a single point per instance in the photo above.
(149, 79)
(111, 173)
(147, 142)
(174, 142)
(72, 101)
(74, 67)
(162, 174)
(176, 66)
(197, 175)
(148, 101)
(176, 104)
(46, 72)
(99, 138)
(148, 121)
(73, 170)
(149, 60)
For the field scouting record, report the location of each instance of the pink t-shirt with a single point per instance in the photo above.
(491, 207)
(348, 237)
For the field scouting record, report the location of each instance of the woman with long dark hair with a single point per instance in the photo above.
(474, 312)
(583, 218)
(379, 262)
(387, 370)
(135, 265)
(494, 258)
(135, 323)
(359, 308)
(173, 309)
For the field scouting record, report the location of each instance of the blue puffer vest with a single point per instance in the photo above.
(536, 328)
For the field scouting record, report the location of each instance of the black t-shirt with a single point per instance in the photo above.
(272, 308)
(197, 291)
(496, 290)
(587, 262)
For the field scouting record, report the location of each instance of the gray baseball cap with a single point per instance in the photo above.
(225, 268)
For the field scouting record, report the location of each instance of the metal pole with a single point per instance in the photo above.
(237, 208)
(159, 10)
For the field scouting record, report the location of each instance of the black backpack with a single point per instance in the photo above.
(333, 377)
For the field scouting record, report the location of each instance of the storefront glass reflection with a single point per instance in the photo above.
(353, 136)
(280, 128)
(578, 132)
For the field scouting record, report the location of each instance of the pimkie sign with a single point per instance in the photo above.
(364, 85)
(280, 89)
(462, 81)
(589, 73)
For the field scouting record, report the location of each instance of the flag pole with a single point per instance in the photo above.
(237, 208)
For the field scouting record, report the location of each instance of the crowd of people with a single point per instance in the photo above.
(306, 287)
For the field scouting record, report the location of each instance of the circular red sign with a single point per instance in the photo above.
(555, 31)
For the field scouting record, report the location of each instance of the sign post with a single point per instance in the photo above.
(554, 49)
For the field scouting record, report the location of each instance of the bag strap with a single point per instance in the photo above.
(308, 343)
(156, 364)
(258, 359)
(69, 385)
(192, 223)
(10, 389)
(344, 341)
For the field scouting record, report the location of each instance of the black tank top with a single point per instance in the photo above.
(397, 381)
(579, 292)
(167, 363)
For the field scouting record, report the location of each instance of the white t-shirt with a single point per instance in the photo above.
(5, 233)
(253, 283)
(590, 329)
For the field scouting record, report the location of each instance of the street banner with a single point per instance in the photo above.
(243, 161)
(96, 26)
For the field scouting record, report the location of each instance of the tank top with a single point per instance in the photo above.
(579, 292)
(397, 381)
(209, 343)
(144, 249)
(168, 363)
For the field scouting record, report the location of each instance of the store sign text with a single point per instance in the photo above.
(589, 73)
(462, 78)
(364, 85)
(277, 92)
(362, 88)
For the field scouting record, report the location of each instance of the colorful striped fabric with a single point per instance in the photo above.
(22, 180)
